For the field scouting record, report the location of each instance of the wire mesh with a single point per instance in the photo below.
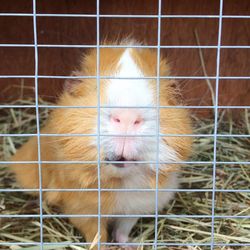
(217, 77)
(216, 120)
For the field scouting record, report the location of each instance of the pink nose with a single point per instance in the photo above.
(126, 120)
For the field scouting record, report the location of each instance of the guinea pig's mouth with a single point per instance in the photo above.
(121, 159)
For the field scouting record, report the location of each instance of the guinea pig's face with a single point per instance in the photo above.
(130, 126)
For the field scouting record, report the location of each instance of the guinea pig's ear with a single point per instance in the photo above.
(71, 83)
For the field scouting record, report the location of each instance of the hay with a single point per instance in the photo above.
(176, 230)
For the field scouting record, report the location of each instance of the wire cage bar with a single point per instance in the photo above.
(155, 244)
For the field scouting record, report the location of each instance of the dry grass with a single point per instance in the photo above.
(177, 230)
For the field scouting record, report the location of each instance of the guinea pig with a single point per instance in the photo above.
(131, 140)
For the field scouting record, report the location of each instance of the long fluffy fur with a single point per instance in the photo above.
(83, 121)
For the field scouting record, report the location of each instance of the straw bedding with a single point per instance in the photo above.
(176, 230)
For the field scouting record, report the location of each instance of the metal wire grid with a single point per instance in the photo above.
(157, 123)
(216, 107)
(216, 121)
(98, 117)
(38, 127)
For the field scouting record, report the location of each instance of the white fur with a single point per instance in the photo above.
(122, 228)
(139, 203)
(143, 202)
(129, 92)
(135, 93)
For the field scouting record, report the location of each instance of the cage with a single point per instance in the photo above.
(207, 46)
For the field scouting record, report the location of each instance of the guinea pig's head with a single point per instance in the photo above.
(129, 121)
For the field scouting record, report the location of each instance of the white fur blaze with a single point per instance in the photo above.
(129, 92)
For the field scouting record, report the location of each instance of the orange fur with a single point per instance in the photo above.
(72, 120)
